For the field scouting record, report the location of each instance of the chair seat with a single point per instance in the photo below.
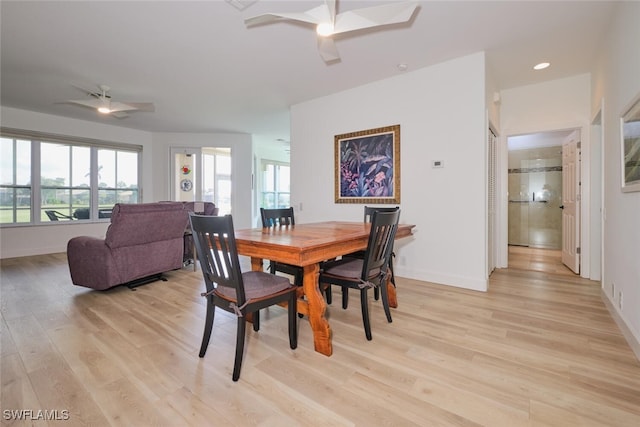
(348, 268)
(257, 284)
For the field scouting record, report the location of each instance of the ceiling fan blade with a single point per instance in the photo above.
(375, 16)
(328, 50)
(142, 106)
(119, 114)
(121, 106)
(91, 103)
(312, 16)
(331, 5)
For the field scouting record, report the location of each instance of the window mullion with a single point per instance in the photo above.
(93, 184)
(36, 174)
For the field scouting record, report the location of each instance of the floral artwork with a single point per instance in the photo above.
(368, 166)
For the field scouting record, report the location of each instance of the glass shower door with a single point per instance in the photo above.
(535, 196)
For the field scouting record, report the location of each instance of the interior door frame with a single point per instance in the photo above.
(586, 181)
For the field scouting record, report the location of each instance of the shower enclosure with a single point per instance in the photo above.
(535, 197)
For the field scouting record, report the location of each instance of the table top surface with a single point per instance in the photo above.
(304, 244)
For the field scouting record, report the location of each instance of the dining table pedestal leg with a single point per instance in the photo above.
(317, 308)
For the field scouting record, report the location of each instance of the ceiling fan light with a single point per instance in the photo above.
(104, 110)
(541, 66)
(324, 29)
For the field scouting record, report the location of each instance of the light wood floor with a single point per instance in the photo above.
(538, 349)
(537, 259)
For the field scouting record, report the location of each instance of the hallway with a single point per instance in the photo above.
(537, 259)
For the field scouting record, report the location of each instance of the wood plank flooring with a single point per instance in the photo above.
(538, 349)
(537, 259)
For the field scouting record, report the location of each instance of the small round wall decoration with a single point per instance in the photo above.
(185, 170)
(186, 185)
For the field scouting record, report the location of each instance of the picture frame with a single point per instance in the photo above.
(630, 146)
(367, 166)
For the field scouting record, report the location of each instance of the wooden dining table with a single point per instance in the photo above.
(307, 245)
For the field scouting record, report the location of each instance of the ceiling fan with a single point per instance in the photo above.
(102, 102)
(328, 23)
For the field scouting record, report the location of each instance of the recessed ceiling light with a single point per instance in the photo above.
(402, 66)
(541, 66)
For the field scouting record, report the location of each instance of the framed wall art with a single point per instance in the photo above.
(367, 165)
(630, 132)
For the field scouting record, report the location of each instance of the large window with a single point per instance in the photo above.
(44, 179)
(276, 191)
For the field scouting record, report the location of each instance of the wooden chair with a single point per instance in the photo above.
(281, 218)
(368, 214)
(230, 289)
(370, 271)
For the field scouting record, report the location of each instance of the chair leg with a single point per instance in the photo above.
(297, 280)
(293, 321)
(385, 301)
(345, 297)
(393, 276)
(208, 325)
(365, 313)
(237, 365)
(328, 295)
(256, 320)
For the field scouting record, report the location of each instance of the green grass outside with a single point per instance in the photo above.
(23, 214)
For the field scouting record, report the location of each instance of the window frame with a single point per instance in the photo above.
(35, 186)
(276, 190)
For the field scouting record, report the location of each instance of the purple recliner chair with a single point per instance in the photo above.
(143, 241)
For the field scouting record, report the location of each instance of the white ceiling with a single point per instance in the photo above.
(206, 72)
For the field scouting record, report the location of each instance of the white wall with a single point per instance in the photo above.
(555, 105)
(52, 238)
(442, 115)
(241, 167)
(615, 83)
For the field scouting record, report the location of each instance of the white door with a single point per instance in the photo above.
(571, 202)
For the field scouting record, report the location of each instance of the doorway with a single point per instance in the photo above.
(535, 200)
(202, 174)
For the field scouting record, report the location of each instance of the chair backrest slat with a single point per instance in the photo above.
(277, 217)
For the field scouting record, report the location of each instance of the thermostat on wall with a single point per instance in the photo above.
(437, 164)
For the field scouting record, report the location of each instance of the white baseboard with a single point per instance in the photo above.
(465, 282)
(628, 335)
